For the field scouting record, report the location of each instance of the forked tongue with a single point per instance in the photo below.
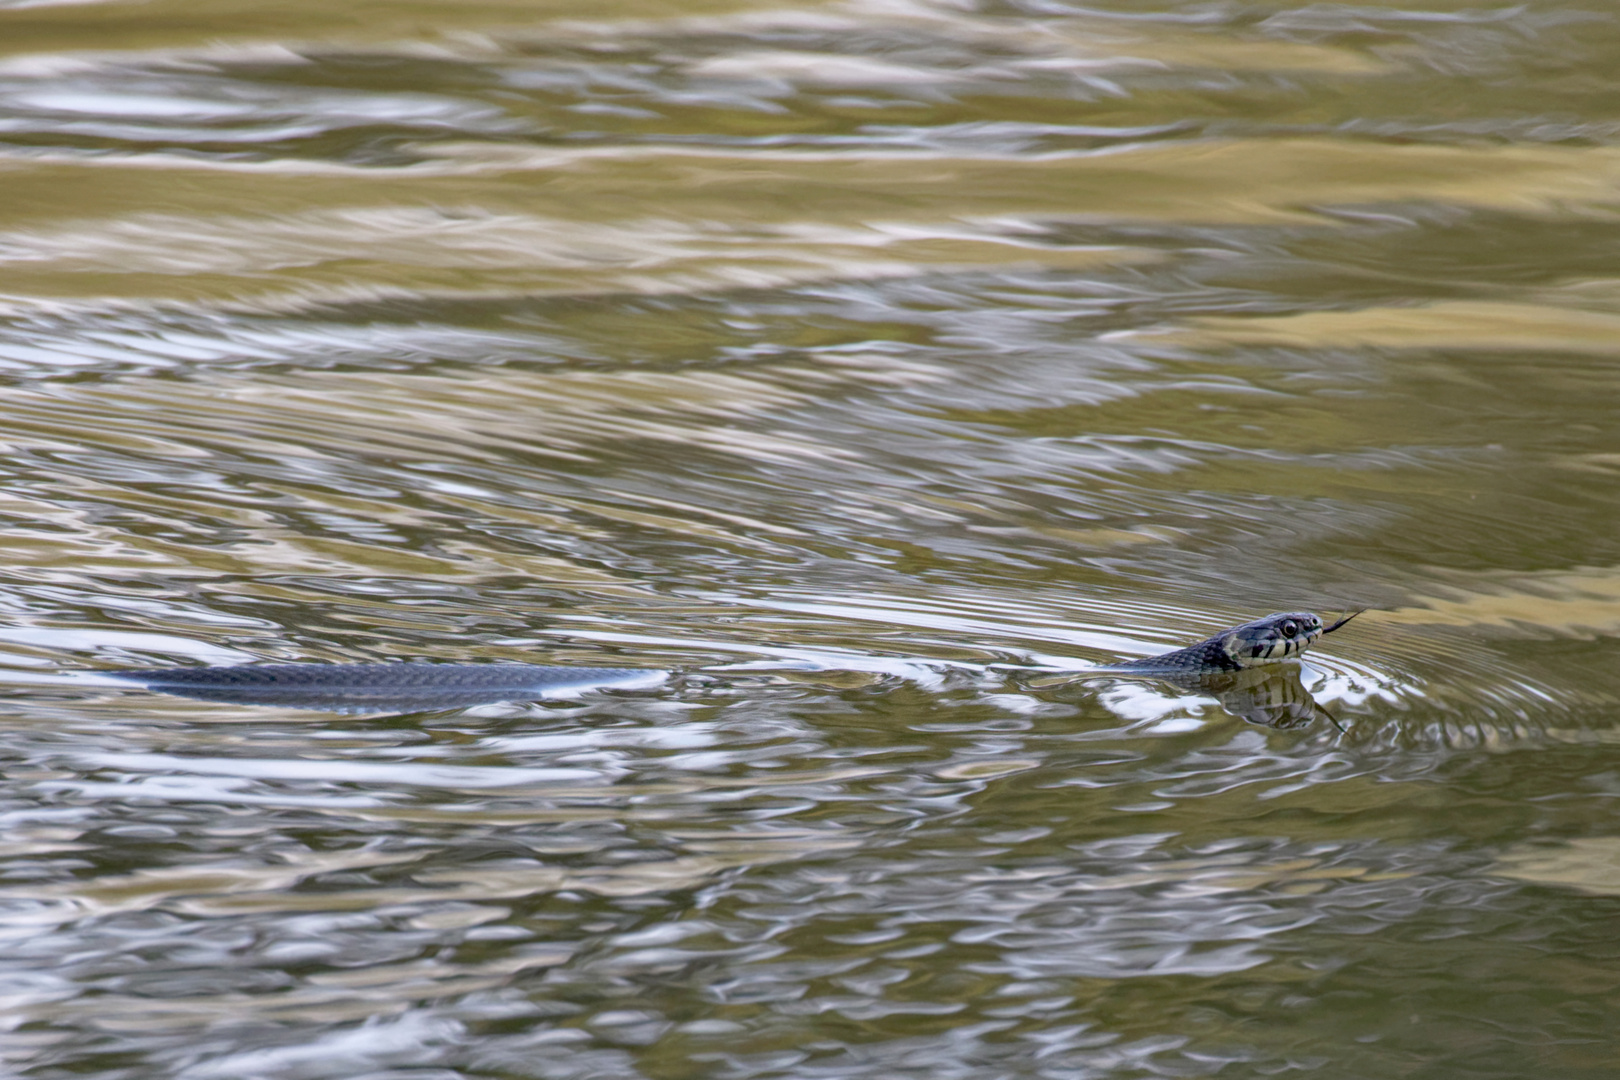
(1343, 620)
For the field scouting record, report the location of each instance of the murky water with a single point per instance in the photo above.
(875, 367)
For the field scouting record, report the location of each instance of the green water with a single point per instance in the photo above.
(876, 367)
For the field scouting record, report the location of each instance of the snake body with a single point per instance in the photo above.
(379, 687)
(1263, 641)
(410, 687)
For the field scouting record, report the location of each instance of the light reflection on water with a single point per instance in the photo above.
(878, 369)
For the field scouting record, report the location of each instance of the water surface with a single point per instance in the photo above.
(876, 368)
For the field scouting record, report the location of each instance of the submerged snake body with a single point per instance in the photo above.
(1263, 641)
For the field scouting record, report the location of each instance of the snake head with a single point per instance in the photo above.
(1273, 638)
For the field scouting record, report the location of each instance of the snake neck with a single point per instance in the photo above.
(1211, 655)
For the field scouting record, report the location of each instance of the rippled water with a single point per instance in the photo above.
(876, 368)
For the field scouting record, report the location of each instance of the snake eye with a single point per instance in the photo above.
(1289, 628)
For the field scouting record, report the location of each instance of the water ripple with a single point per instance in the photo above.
(880, 369)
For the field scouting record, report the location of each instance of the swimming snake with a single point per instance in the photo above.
(1263, 641)
(412, 687)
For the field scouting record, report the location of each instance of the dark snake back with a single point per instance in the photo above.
(373, 687)
(1207, 656)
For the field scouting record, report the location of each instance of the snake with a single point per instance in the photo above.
(416, 687)
(1267, 640)
(1242, 668)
